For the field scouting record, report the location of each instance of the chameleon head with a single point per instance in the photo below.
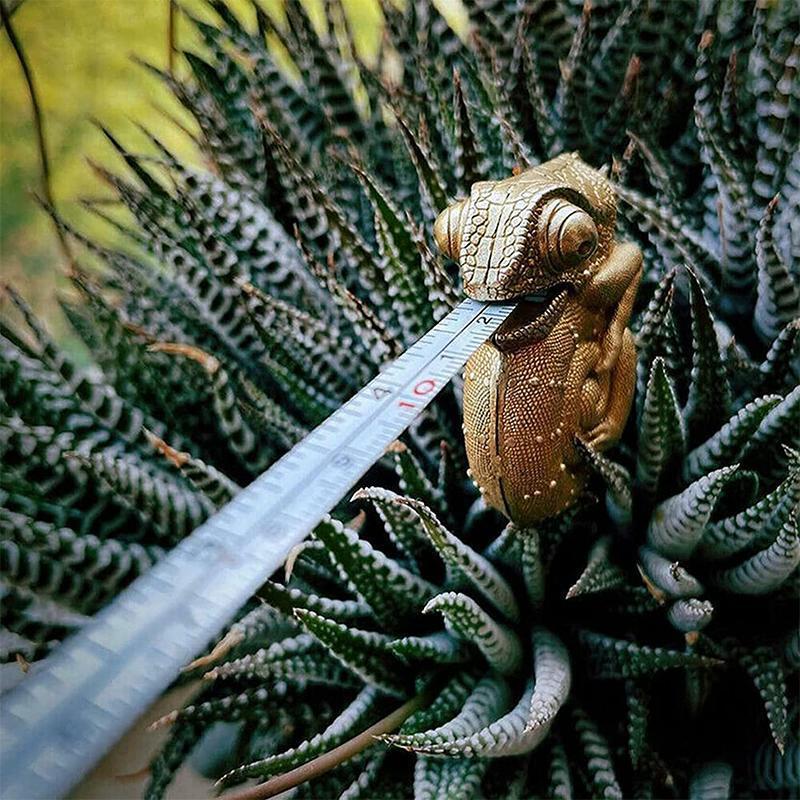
(538, 237)
(562, 365)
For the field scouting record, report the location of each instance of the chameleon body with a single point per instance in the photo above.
(563, 365)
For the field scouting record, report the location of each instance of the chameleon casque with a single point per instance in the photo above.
(563, 365)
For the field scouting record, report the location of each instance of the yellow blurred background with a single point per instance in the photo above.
(80, 53)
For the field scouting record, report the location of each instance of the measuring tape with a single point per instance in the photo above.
(59, 722)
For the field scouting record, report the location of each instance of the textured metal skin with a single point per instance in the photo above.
(563, 365)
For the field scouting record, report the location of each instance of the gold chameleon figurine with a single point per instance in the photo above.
(563, 364)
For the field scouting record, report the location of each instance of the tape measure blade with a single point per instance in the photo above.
(56, 724)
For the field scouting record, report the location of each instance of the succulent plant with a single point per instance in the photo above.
(640, 643)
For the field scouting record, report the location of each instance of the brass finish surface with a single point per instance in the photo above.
(563, 364)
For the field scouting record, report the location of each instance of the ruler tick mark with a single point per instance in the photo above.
(99, 681)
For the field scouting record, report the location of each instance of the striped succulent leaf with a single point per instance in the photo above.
(241, 301)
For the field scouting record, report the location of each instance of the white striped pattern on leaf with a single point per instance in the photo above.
(726, 445)
(486, 702)
(446, 705)
(661, 432)
(402, 524)
(600, 573)
(355, 717)
(552, 678)
(712, 781)
(765, 668)
(463, 559)
(765, 571)
(448, 779)
(441, 648)
(597, 757)
(559, 778)
(677, 524)
(391, 591)
(692, 614)
(365, 653)
(733, 534)
(498, 644)
(778, 298)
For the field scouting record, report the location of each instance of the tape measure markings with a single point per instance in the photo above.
(58, 722)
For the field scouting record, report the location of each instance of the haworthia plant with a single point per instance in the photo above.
(608, 652)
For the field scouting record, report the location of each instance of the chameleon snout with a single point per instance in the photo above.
(511, 250)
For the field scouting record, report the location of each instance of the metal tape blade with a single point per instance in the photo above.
(56, 724)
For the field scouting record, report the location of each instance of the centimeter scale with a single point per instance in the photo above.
(59, 722)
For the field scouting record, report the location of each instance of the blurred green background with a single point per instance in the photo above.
(80, 54)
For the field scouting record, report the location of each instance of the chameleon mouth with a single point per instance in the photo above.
(533, 318)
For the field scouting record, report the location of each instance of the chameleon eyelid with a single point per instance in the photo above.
(569, 233)
(447, 229)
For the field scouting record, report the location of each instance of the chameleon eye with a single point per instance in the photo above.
(447, 229)
(571, 234)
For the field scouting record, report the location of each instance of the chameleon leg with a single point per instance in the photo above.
(615, 287)
(620, 396)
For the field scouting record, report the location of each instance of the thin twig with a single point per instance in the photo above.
(327, 761)
(12, 8)
(38, 120)
(173, 120)
(172, 26)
